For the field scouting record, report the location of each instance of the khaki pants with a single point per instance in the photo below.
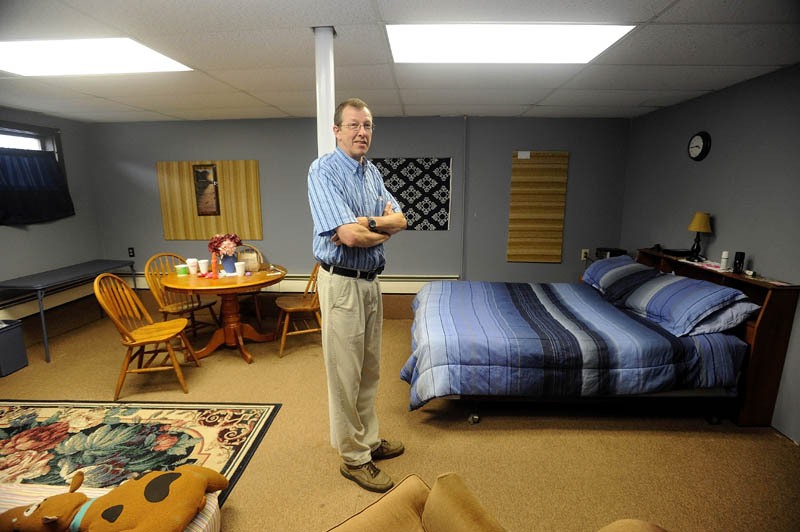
(352, 318)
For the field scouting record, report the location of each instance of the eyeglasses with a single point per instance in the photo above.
(369, 128)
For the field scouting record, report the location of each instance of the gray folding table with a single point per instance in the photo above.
(61, 278)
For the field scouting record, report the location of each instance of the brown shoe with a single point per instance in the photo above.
(388, 449)
(368, 476)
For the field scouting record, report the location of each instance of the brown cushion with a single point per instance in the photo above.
(398, 509)
(451, 507)
(631, 525)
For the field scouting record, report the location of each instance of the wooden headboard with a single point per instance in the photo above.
(767, 334)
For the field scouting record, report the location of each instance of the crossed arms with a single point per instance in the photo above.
(358, 234)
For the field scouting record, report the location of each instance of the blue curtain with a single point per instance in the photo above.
(33, 189)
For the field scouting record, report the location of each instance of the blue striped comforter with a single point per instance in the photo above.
(551, 340)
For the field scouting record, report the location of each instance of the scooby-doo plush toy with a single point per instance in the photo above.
(162, 501)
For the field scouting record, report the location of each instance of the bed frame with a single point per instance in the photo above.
(767, 334)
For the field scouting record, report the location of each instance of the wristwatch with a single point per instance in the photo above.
(372, 225)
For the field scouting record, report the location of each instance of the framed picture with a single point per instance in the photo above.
(205, 189)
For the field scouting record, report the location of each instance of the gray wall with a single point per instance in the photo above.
(750, 183)
(125, 166)
(63, 242)
(595, 182)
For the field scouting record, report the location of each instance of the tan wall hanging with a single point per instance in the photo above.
(202, 198)
(538, 203)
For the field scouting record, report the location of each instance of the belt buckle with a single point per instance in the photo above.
(370, 276)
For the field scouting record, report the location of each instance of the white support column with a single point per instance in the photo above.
(323, 38)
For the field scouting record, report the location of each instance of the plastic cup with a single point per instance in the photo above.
(182, 270)
(239, 269)
(192, 264)
(203, 264)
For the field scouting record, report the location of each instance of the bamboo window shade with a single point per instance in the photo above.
(537, 206)
(238, 193)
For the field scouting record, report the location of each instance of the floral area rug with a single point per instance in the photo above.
(47, 442)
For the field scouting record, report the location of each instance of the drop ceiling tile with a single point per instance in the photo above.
(618, 98)
(158, 102)
(378, 110)
(461, 110)
(373, 97)
(571, 111)
(732, 11)
(227, 113)
(584, 11)
(439, 76)
(89, 104)
(149, 17)
(687, 44)
(364, 76)
(466, 96)
(48, 19)
(663, 77)
(34, 88)
(268, 79)
(300, 111)
(287, 98)
(115, 116)
(190, 82)
(223, 50)
(269, 48)
(359, 45)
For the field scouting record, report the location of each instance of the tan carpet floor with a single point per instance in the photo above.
(535, 467)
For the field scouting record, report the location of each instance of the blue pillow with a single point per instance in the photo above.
(678, 303)
(617, 277)
(725, 318)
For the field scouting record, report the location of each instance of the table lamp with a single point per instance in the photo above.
(701, 223)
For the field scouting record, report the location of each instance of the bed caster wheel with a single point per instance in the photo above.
(472, 419)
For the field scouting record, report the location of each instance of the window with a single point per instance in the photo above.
(20, 142)
(33, 182)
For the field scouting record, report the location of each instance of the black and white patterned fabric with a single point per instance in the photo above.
(422, 187)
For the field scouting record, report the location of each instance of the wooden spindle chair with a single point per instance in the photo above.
(255, 293)
(138, 330)
(176, 303)
(307, 303)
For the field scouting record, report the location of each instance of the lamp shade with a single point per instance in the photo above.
(701, 223)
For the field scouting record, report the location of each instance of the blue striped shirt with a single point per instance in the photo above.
(339, 190)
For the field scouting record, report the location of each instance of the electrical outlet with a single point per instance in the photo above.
(584, 254)
(131, 252)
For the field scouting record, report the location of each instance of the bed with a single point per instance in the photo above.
(627, 329)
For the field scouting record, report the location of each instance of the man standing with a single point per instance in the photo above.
(353, 216)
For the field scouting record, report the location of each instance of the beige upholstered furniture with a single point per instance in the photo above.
(175, 303)
(412, 505)
(306, 303)
(447, 507)
(138, 331)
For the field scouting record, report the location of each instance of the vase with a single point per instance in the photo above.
(229, 263)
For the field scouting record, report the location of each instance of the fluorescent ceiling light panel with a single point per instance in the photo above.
(82, 57)
(501, 43)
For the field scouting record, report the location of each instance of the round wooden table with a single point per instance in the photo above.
(233, 332)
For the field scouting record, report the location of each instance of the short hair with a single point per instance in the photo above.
(351, 102)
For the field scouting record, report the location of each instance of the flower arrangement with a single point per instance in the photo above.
(224, 244)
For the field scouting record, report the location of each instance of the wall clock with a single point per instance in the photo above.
(699, 146)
